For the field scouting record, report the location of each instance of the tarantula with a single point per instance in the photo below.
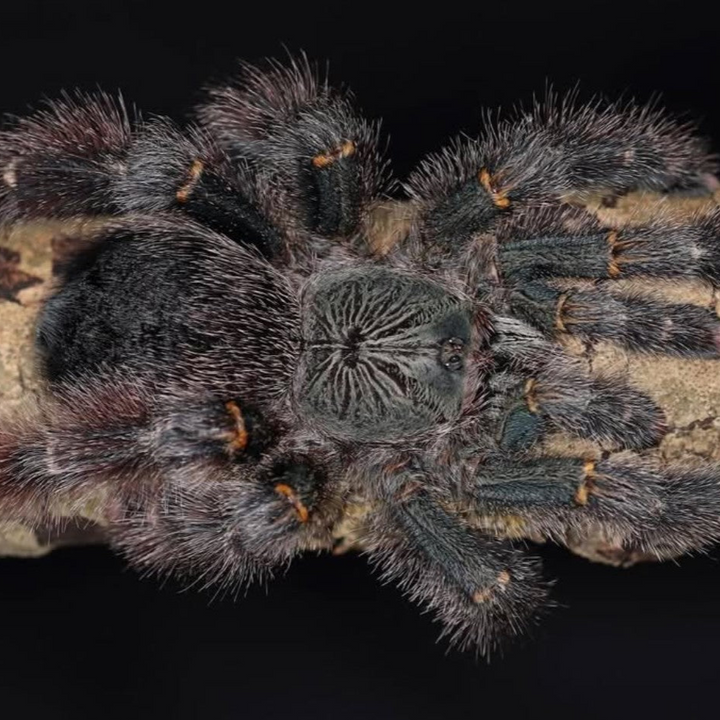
(231, 364)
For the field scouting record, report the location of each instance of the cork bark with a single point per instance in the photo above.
(687, 390)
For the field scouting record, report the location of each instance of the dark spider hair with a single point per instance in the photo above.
(229, 364)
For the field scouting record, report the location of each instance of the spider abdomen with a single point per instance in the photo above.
(384, 354)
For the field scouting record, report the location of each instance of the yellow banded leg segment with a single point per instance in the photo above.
(303, 514)
(238, 437)
(498, 195)
(560, 325)
(584, 490)
(613, 265)
(193, 176)
(344, 150)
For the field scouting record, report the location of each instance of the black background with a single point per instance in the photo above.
(81, 637)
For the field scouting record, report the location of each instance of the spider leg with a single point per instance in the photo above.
(85, 156)
(62, 160)
(228, 527)
(280, 157)
(189, 533)
(558, 242)
(170, 474)
(73, 443)
(186, 172)
(662, 512)
(479, 588)
(320, 155)
(539, 387)
(555, 151)
(540, 250)
(237, 497)
(638, 322)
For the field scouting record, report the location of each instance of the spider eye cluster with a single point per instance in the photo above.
(452, 354)
(384, 354)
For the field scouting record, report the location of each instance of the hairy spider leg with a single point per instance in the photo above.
(555, 151)
(664, 512)
(321, 157)
(478, 587)
(86, 156)
(280, 155)
(184, 482)
(538, 387)
(530, 263)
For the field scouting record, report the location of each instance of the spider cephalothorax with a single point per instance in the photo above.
(229, 363)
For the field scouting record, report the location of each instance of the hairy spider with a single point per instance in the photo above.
(231, 364)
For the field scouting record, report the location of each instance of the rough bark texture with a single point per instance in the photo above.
(688, 390)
